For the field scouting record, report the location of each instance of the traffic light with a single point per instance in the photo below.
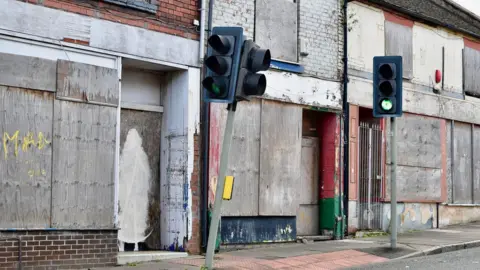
(222, 61)
(253, 60)
(387, 86)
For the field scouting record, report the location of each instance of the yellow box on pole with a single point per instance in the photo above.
(228, 188)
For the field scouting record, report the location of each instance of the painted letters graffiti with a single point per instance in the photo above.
(28, 141)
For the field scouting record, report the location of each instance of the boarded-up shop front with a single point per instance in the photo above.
(285, 162)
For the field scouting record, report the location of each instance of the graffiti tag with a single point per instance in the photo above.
(28, 141)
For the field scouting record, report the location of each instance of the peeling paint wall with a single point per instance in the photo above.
(451, 214)
(180, 123)
(411, 216)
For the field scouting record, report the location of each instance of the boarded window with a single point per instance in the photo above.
(398, 41)
(145, 5)
(471, 70)
(276, 28)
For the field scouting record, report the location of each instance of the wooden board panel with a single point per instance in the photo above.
(148, 125)
(476, 164)
(462, 182)
(353, 153)
(276, 27)
(27, 72)
(471, 70)
(280, 154)
(308, 219)
(308, 182)
(83, 165)
(25, 157)
(398, 41)
(418, 184)
(418, 141)
(87, 83)
(244, 161)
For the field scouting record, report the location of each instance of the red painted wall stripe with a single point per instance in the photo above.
(391, 17)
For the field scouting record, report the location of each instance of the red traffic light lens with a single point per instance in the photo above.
(386, 71)
(220, 44)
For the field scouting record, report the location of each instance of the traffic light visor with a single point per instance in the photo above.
(255, 84)
(386, 71)
(215, 86)
(221, 44)
(259, 59)
(217, 64)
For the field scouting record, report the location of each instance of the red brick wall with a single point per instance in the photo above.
(58, 249)
(194, 245)
(173, 17)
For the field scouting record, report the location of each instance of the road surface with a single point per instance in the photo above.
(465, 259)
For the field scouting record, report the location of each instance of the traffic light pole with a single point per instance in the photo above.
(393, 183)
(217, 206)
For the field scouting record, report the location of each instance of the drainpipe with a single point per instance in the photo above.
(202, 31)
(205, 148)
(346, 125)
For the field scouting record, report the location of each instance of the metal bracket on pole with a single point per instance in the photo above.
(393, 203)
(217, 206)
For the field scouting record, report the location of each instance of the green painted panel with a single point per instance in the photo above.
(329, 209)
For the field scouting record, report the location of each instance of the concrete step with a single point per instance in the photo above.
(124, 258)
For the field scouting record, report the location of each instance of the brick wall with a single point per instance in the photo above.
(195, 242)
(173, 17)
(58, 249)
(320, 31)
(321, 36)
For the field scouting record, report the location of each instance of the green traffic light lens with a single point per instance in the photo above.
(386, 104)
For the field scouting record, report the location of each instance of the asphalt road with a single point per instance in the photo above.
(465, 259)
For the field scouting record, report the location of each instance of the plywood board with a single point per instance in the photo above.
(398, 41)
(280, 155)
(308, 184)
(147, 125)
(308, 219)
(276, 27)
(83, 165)
(87, 83)
(25, 157)
(244, 161)
(462, 181)
(476, 164)
(418, 141)
(27, 72)
(471, 70)
(418, 184)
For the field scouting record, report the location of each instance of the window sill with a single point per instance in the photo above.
(461, 204)
(135, 4)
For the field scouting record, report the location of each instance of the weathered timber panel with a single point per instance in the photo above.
(244, 161)
(87, 82)
(398, 41)
(276, 27)
(462, 182)
(476, 164)
(471, 71)
(148, 125)
(308, 219)
(280, 154)
(25, 158)
(83, 165)
(417, 183)
(27, 72)
(418, 141)
(449, 173)
(308, 184)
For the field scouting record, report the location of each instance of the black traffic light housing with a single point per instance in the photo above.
(253, 60)
(387, 86)
(222, 61)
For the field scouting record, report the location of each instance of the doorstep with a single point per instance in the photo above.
(124, 258)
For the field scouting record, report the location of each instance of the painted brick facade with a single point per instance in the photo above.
(321, 36)
(235, 13)
(194, 244)
(173, 17)
(58, 249)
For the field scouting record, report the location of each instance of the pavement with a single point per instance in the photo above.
(339, 254)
